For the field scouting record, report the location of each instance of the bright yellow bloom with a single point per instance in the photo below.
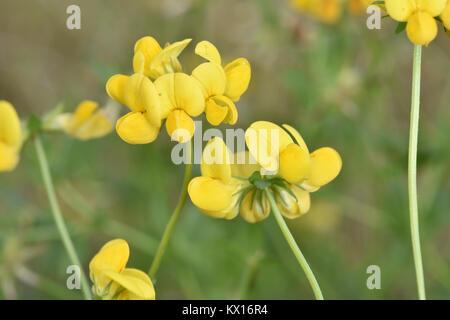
(111, 278)
(10, 137)
(153, 61)
(221, 86)
(421, 26)
(87, 122)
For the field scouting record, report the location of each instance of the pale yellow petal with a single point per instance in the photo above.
(134, 128)
(291, 207)
(136, 284)
(9, 157)
(294, 164)
(211, 77)
(216, 160)
(253, 210)
(165, 61)
(326, 164)
(445, 16)
(297, 136)
(145, 50)
(244, 165)
(238, 75)
(180, 126)
(400, 10)
(421, 28)
(207, 50)
(433, 7)
(95, 127)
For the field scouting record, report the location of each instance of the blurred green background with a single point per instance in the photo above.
(340, 85)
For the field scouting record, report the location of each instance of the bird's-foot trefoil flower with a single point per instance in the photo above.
(112, 280)
(419, 16)
(88, 121)
(221, 86)
(10, 137)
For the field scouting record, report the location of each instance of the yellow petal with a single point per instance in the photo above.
(115, 87)
(180, 91)
(289, 206)
(298, 138)
(9, 157)
(10, 129)
(211, 77)
(140, 95)
(134, 128)
(294, 164)
(265, 140)
(252, 210)
(400, 10)
(95, 127)
(137, 284)
(433, 7)
(215, 113)
(210, 194)
(326, 164)
(445, 16)
(180, 126)
(83, 112)
(167, 59)
(421, 28)
(238, 75)
(113, 256)
(244, 165)
(145, 50)
(207, 50)
(216, 161)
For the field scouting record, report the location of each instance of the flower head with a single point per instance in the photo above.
(111, 278)
(419, 15)
(221, 86)
(87, 122)
(10, 137)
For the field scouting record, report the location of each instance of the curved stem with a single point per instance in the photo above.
(412, 171)
(59, 220)
(175, 215)
(294, 247)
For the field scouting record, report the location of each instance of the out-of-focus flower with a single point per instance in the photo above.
(329, 11)
(88, 121)
(233, 183)
(419, 15)
(222, 86)
(154, 61)
(111, 278)
(357, 7)
(10, 137)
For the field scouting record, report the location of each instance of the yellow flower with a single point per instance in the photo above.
(221, 86)
(214, 193)
(356, 7)
(139, 94)
(111, 278)
(87, 122)
(153, 61)
(181, 98)
(445, 16)
(419, 15)
(10, 137)
(328, 11)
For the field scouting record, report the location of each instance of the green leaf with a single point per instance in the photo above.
(400, 27)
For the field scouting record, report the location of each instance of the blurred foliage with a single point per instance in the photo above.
(341, 85)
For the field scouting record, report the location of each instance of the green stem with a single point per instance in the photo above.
(294, 247)
(412, 171)
(59, 221)
(175, 215)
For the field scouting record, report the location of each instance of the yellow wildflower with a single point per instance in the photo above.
(10, 137)
(328, 11)
(419, 15)
(111, 278)
(153, 61)
(87, 122)
(221, 86)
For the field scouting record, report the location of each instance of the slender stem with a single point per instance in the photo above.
(175, 214)
(294, 247)
(59, 221)
(412, 171)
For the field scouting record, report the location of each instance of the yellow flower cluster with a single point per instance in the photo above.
(159, 91)
(112, 280)
(329, 11)
(228, 185)
(420, 17)
(10, 137)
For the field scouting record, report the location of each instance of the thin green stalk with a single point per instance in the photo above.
(59, 221)
(412, 171)
(294, 247)
(175, 215)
